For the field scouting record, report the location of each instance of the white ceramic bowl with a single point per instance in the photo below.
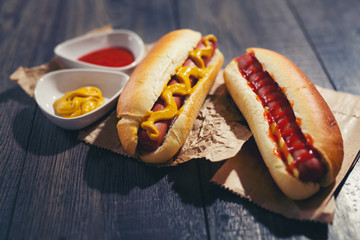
(69, 51)
(54, 85)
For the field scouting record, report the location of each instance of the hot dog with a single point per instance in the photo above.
(164, 94)
(295, 130)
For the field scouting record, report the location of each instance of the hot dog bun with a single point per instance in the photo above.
(316, 117)
(147, 83)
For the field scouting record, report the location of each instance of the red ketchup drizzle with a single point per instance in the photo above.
(109, 57)
(306, 158)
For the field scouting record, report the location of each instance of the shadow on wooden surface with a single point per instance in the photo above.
(15, 94)
(187, 183)
(43, 144)
(112, 173)
(250, 214)
(276, 224)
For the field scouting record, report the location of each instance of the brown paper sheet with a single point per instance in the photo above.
(246, 174)
(219, 133)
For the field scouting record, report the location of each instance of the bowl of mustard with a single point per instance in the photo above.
(75, 98)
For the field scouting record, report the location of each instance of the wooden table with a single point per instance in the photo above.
(53, 186)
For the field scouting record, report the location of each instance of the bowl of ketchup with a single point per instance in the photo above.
(118, 50)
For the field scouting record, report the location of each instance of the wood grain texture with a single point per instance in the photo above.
(53, 186)
(243, 24)
(17, 110)
(336, 40)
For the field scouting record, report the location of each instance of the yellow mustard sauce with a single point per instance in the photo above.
(183, 88)
(79, 102)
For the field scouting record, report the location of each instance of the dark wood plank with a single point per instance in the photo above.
(16, 119)
(69, 190)
(267, 24)
(17, 109)
(85, 192)
(336, 42)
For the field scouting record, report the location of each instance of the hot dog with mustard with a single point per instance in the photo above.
(163, 96)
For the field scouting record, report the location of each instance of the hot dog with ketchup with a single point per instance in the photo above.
(295, 130)
(163, 96)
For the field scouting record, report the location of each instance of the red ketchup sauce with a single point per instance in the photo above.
(109, 57)
(306, 158)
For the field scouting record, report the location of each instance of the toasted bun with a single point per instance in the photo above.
(308, 105)
(147, 83)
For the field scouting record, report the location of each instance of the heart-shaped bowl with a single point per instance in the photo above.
(54, 85)
(71, 50)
